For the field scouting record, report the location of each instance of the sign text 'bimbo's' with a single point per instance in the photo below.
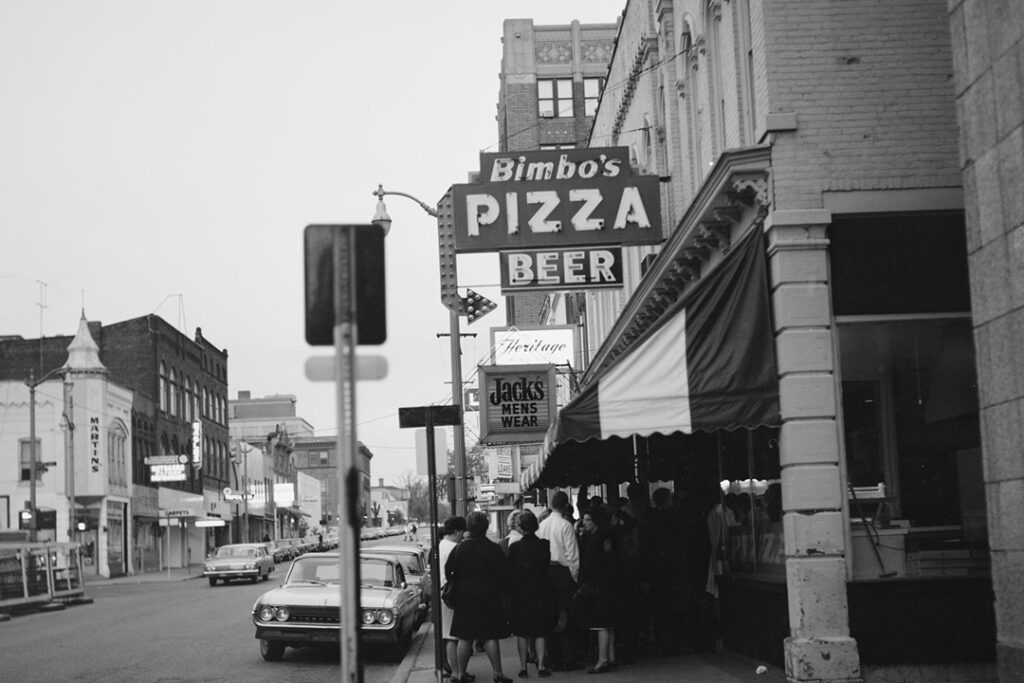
(556, 198)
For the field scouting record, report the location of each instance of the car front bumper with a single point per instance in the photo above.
(304, 634)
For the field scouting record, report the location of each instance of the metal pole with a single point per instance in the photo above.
(245, 493)
(435, 572)
(459, 432)
(32, 456)
(69, 417)
(345, 336)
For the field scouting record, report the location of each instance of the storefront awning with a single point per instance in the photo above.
(707, 363)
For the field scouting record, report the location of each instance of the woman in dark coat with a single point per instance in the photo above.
(534, 605)
(596, 607)
(479, 570)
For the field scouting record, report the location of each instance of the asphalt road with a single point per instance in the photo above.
(171, 632)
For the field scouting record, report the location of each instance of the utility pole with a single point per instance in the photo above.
(33, 522)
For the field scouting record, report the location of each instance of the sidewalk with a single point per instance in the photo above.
(721, 667)
(195, 571)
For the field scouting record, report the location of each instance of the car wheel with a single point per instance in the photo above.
(213, 581)
(254, 579)
(271, 650)
(266, 577)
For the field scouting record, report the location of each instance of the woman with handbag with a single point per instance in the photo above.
(453, 530)
(595, 600)
(480, 571)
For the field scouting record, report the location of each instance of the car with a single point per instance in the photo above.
(305, 610)
(416, 563)
(282, 551)
(239, 561)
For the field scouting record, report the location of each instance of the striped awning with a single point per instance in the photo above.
(708, 363)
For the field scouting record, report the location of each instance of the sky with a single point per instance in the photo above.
(165, 158)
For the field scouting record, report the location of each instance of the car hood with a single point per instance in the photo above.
(312, 595)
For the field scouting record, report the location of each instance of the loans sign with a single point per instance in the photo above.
(556, 198)
(517, 402)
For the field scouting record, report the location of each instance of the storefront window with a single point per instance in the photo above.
(750, 512)
(910, 414)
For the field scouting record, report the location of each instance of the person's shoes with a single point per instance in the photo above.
(613, 665)
(498, 678)
(543, 673)
(600, 669)
(523, 673)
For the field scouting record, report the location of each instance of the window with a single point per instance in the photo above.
(324, 458)
(592, 88)
(554, 98)
(26, 458)
(172, 383)
(164, 390)
(117, 456)
(190, 405)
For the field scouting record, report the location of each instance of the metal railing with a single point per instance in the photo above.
(38, 573)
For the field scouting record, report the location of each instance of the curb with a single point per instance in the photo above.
(409, 661)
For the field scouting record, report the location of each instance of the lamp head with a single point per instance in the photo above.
(381, 217)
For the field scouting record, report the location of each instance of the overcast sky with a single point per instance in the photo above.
(165, 157)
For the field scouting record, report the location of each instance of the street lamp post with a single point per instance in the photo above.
(33, 458)
(382, 219)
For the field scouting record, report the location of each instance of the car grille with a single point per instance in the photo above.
(314, 615)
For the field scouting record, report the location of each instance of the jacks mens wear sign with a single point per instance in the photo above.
(517, 402)
(556, 198)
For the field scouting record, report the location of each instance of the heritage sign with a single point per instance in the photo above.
(517, 402)
(556, 198)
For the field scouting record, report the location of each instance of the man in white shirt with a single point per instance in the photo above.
(564, 571)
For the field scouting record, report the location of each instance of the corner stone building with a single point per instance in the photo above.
(878, 151)
(174, 380)
(988, 60)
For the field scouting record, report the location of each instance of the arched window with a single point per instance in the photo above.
(172, 382)
(186, 394)
(117, 455)
(745, 69)
(714, 66)
(164, 391)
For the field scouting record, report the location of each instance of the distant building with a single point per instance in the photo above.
(175, 382)
(317, 458)
(551, 81)
(388, 499)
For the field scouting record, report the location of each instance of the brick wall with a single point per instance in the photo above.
(871, 89)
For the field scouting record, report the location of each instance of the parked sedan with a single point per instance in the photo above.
(305, 610)
(416, 563)
(283, 550)
(239, 561)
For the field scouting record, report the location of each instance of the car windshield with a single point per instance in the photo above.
(322, 570)
(236, 551)
(375, 573)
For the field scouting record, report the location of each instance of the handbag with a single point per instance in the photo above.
(448, 594)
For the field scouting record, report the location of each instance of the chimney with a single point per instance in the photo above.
(244, 395)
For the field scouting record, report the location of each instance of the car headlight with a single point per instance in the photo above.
(368, 617)
(250, 565)
(209, 567)
(270, 613)
(385, 617)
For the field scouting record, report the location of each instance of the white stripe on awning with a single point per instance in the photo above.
(649, 391)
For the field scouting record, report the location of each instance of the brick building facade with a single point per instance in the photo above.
(831, 130)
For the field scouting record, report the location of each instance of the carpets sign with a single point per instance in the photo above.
(552, 199)
(517, 402)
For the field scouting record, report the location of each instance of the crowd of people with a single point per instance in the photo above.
(593, 589)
